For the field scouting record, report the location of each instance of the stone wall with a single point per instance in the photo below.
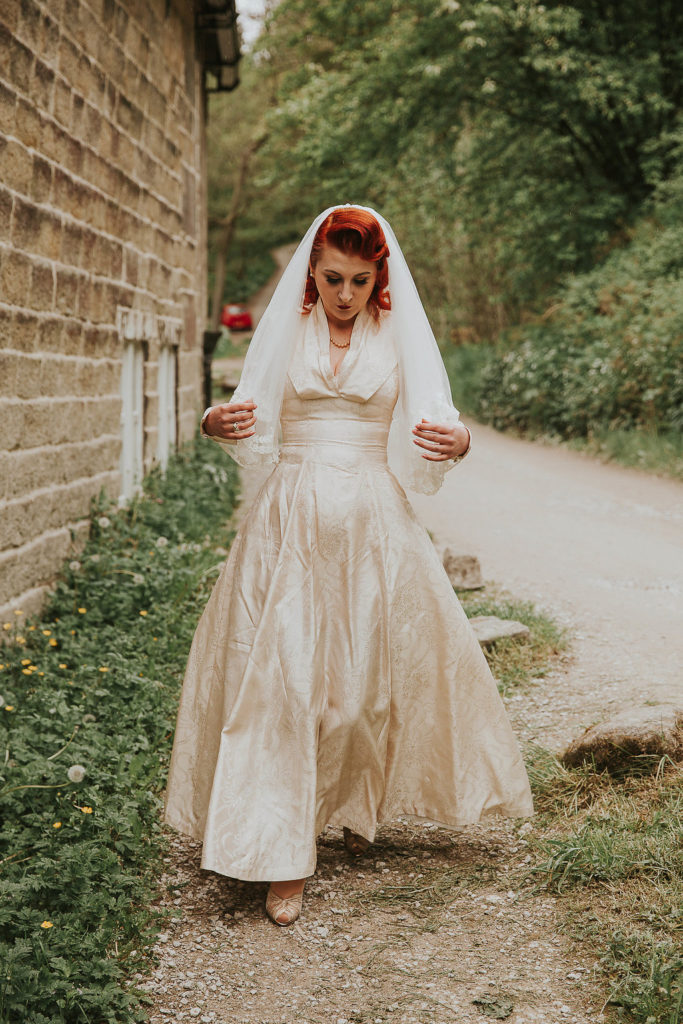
(102, 211)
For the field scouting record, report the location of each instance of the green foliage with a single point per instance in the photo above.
(608, 357)
(94, 683)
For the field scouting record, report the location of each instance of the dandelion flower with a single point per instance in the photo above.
(52, 642)
(75, 565)
(56, 824)
(1, 667)
(9, 707)
(7, 625)
(27, 671)
(82, 611)
(47, 632)
(103, 668)
(32, 629)
(86, 810)
(143, 613)
(18, 611)
(162, 542)
(25, 661)
(62, 665)
(20, 639)
(104, 522)
(46, 924)
(41, 673)
(76, 773)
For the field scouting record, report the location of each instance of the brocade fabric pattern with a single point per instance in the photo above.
(334, 677)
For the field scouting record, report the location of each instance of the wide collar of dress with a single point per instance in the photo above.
(370, 359)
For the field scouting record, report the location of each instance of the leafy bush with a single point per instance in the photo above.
(91, 690)
(609, 356)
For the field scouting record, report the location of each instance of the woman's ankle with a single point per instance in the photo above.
(289, 888)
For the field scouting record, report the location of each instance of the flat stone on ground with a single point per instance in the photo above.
(489, 628)
(656, 731)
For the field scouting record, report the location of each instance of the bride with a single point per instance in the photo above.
(334, 677)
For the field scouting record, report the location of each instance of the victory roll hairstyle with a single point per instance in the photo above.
(355, 232)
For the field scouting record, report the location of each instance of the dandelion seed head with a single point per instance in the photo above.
(76, 773)
(75, 565)
(161, 542)
(104, 522)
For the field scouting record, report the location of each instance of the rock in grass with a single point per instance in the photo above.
(463, 571)
(655, 731)
(489, 628)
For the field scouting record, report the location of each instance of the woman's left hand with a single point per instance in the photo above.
(441, 442)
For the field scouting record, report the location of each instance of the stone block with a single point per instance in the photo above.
(15, 279)
(463, 571)
(73, 243)
(66, 293)
(24, 332)
(42, 85)
(28, 123)
(17, 60)
(6, 202)
(8, 373)
(29, 23)
(12, 419)
(16, 167)
(48, 44)
(62, 107)
(51, 335)
(634, 738)
(28, 378)
(35, 229)
(488, 629)
(41, 179)
(8, 99)
(9, 14)
(42, 286)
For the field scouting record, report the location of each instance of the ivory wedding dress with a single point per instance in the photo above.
(334, 677)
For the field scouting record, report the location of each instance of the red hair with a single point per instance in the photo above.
(356, 233)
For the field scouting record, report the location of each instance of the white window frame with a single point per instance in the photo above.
(167, 401)
(132, 419)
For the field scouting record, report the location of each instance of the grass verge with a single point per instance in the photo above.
(611, 847)
(89, 697)
(516, 662)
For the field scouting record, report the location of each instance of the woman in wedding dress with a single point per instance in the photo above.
(334, 678)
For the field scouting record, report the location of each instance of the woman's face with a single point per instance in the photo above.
(344, 281)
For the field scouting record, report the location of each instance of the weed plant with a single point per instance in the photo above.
(89, 697)
(611, 845)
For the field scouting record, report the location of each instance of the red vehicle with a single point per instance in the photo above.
(237, 318)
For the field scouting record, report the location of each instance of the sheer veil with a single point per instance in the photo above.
(424, 386)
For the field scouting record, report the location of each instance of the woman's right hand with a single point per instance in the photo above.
(232, 421)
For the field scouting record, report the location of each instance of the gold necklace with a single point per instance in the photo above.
(337, 345)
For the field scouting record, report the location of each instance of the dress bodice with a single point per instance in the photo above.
(344, 417)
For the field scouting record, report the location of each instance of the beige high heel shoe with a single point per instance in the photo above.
(283, 910)
(354, 843)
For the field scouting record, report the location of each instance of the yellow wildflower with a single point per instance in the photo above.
(46, 924)
(20, 639)
(1, 667)
(32, 629)
(62, 665)
(27, 671)
(86, 810)
(7, 625)
(82, 611)
(57, 824)
(9, 707)
(47, 632)
(104, 668)
(25, 661)
(53, 642)
(73, 632)
(143, 613)
(41, 673)
(18, 611)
